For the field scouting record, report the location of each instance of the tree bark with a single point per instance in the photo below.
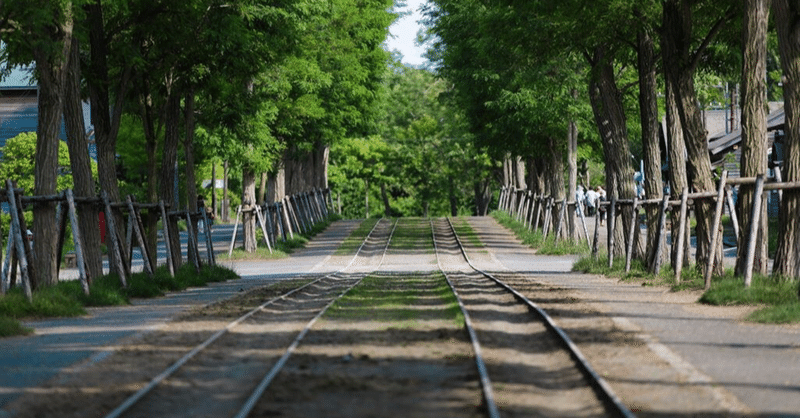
(248, 215)
(609, 113)
(104, 118)
(555, 174)
(787, 257)
(648, 111)
(572, 164)
(51, 67)
(754, 127)
(84, 185)
(277, 184)
(680, 64)
(168, 169)
(188, 146)
(151, 143)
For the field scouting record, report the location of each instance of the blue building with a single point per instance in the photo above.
(19, 111)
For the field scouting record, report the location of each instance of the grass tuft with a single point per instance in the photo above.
(536, 240)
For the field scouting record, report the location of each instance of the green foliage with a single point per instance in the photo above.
(17, 162)
(10, 327)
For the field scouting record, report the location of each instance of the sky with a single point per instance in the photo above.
(404, 32)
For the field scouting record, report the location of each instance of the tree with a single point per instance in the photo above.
(754, 124)
(787, 259)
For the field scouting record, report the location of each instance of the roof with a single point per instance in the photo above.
(722, 142)
(20, 78)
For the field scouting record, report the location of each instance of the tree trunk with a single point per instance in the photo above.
(51, 68)
(226, 203)
(555, 182)
(387, 208)
(248, 215)
(188, 146)
(680, 64)
(648, 111)
(151, 143)
(572, 163)
(262, 189)
(787, 257)
(610, 119)
(84, 185)
(168, 169)
(277, 185)
(677, 168)
(518, 170)
(754, 128)
(105, 118)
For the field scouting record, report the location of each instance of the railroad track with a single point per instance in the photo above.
(503, 324)
(215, 380)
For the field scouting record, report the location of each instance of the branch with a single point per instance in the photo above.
(729, 14)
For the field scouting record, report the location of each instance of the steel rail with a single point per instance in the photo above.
(169, 371)
(600, 385)
(270, 376)
(486, 384)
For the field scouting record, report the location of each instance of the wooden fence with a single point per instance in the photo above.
(18, 248)
(280, 220)
(535, 211)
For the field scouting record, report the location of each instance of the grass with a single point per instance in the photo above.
(353, 242)
(466, 233)
(397, 301)
(66, 299)
(536, 240)
(412, 234)
(778, 298)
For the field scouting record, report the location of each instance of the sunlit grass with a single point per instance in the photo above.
(535, 239)
(353, 242)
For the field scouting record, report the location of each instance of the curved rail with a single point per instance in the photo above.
(600, 385)
(169, 371)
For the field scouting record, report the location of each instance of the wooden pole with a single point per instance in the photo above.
(167, 244)
(611, 215)
(18, 241)
(6, 273)
(595, 243)
(662, 235)
(77, 239)
(681, 235)
(212, 261)
(134, 220)
(235, 226)
(631, 231)
(732, 210)
(27, 249)
(115, 245)
(263, 228)
(579, 207)
(753, 233)
(192, 251)
(61, 226)
(715, 230)
(287, 213)
(547, 215)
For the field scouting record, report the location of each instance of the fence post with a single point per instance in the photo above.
(611, 215)
(16, 229)
(681, 235)
(167, 243)
(631, 231)
(115, 247)
(715, 230)
(751, 238)
(662, 235)
(77, 240)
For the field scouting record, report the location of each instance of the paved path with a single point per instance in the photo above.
(26, 362)
(758, 364)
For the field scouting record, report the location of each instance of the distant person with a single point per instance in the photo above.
(601, 210)
(591, 202)
(579, 198)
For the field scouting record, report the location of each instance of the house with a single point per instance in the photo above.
(19, 96)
